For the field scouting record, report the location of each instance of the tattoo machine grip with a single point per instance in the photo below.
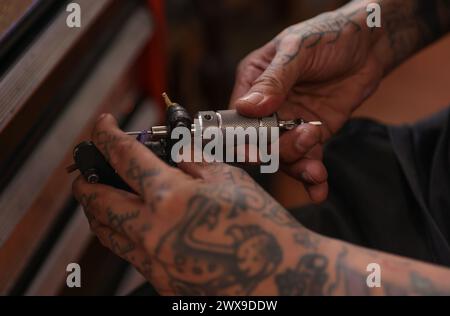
(94, 167)
(232, 119)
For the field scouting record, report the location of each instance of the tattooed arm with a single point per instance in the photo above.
(210, 230)
(324, 68)
(409, 26)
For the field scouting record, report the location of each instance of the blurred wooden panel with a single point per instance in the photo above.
(11, 12)
(36, 197)
(34, 90)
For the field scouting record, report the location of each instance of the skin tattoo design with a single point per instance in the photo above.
(328, 27)
(209, 229)
(235, 268)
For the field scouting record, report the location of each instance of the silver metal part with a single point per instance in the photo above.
(92, 177)
(229, 118)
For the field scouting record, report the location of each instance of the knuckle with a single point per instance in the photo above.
(268, 81)
(289, 42)
(247, 61)
(225, 167)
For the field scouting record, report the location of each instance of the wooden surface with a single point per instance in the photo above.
(11, 11)
(34, 200)
(40, 60)
(17, 86)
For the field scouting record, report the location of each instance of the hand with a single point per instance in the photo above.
(200, 229)
(210, 230)
(321, 69)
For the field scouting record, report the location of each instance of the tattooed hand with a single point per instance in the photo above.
(200, 229)
(324, 68)
(321, 69)
(209, 229)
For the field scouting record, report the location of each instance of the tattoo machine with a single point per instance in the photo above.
(93, 166)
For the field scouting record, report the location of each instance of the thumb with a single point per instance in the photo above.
(269, 91)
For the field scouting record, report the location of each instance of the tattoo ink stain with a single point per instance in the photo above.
(87, 199)
(212, 267)
(118, 221)
(180, 261)
(308, 278)
(197, 270)
(312, 33)
(422, 285)
(141, 176)
(105, 142)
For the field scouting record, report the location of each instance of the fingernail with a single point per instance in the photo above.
(253, 98)
(306, 177)
(102, 116)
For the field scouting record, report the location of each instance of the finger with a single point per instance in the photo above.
(249, 70)
(314, 176)
(270, 89)
(242, 85)
(86, 192)
(135, 164)
(113, 240)
(295, 144)
(124, 248)
(121, 211)
(318, 192)
(308, 171)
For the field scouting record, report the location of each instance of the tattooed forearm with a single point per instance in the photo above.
(309, 277)
(435, 14)
(322, 273)
(214, 250)
(411, 25)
